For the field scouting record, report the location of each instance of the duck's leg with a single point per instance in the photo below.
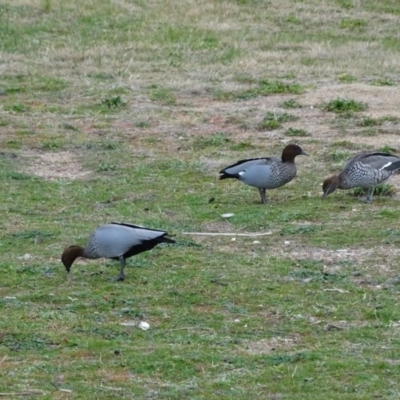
(263, 196)
(121, 275)
(370, 195)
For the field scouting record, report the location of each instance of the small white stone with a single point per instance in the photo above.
(236, 320)
(233, 240)
(311, 106)
(256, 242)
(227, 215)
(144, 326)
(287, 242)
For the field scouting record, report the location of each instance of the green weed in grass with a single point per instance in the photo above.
(161, 95)
(242, 146)
(339, 155)
(352, 24)
(383, 189)
(17, 108)
(341, 106)
(113, 102)
(384, 82)
(347, 78)
(143, 124)
(296, 132)
(387, 149)
(216, 139)
(369, 121)
(263, 87)
(273, 120)
(292, 103)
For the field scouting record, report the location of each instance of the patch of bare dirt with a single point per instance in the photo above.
(354, 255)
(51, 166)
(266, 346)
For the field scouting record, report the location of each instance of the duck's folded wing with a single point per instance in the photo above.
(243, 165)
(379, 160)
(114, 240)
(136, 227)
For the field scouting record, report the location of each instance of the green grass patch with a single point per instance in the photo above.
(347, 78)
(384, 82)
(339, 155)
(382, 190)
(343, 106)
(216, 139)
(246, 145)
(352, 24)
(291, 103)
(296, 132)
(16, 107)
(263, 87)
(274, 120)
(162, 95)
(113, 102)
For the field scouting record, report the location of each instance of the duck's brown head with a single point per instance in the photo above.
(69, 255)
(291, 151)
(330, 185)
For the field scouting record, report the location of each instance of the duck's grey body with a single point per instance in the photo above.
(265, 172)
(262, 173)
(117, 241)
(365, 170)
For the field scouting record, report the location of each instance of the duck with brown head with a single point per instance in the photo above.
(365, 170)
(265, 172)
(116, 241)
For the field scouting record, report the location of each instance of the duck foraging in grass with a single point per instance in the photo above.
(365, 170)
(116, 241)
(265, 172)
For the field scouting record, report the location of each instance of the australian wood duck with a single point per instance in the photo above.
(365, 170)
(117, 241)
(265, 172)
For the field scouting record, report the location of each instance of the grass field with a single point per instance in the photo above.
(125, 110)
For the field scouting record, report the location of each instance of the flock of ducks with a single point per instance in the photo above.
(119, 241)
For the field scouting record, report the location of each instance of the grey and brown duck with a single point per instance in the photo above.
(365, 170)
(265, 172)
(117, 241)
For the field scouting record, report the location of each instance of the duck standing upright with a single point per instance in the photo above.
(265, 172)
(365, 170)
(116, 241)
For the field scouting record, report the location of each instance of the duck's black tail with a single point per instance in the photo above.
(164, 239)
(225, 175)
(393, 166)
